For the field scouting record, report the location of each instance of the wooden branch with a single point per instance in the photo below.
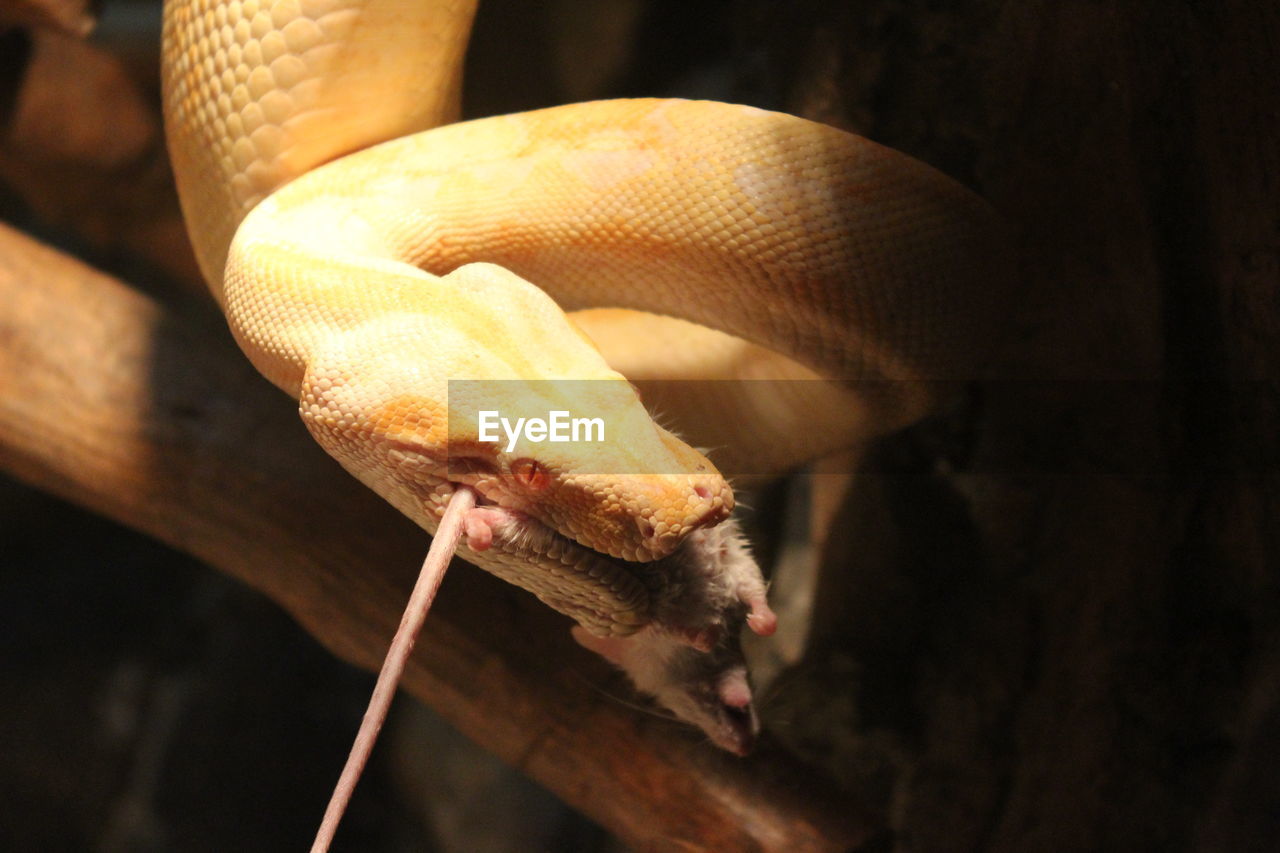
(113, 403)
(72, 17)
(81, 144)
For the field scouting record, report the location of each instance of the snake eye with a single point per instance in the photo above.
(529, 473)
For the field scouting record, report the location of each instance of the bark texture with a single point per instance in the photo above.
(1069, 640)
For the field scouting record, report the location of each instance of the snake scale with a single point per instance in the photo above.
(366, 249)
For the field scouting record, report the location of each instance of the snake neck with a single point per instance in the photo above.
(253, 93)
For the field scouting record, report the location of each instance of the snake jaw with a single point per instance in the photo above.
(663, 509)
(601, 593)
(636, 517)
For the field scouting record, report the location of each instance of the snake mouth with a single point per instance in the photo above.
(606, 594)
(695, 595)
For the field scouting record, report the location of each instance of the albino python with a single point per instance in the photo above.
(363, 259)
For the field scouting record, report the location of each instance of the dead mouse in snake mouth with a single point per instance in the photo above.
(689, 657)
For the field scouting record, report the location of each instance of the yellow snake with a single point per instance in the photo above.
(364, 259)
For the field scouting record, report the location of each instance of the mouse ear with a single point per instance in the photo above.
(611, 649)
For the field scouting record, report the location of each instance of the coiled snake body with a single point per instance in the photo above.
(363, 260)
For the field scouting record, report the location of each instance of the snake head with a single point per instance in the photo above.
(398, 399)
(495, 387)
